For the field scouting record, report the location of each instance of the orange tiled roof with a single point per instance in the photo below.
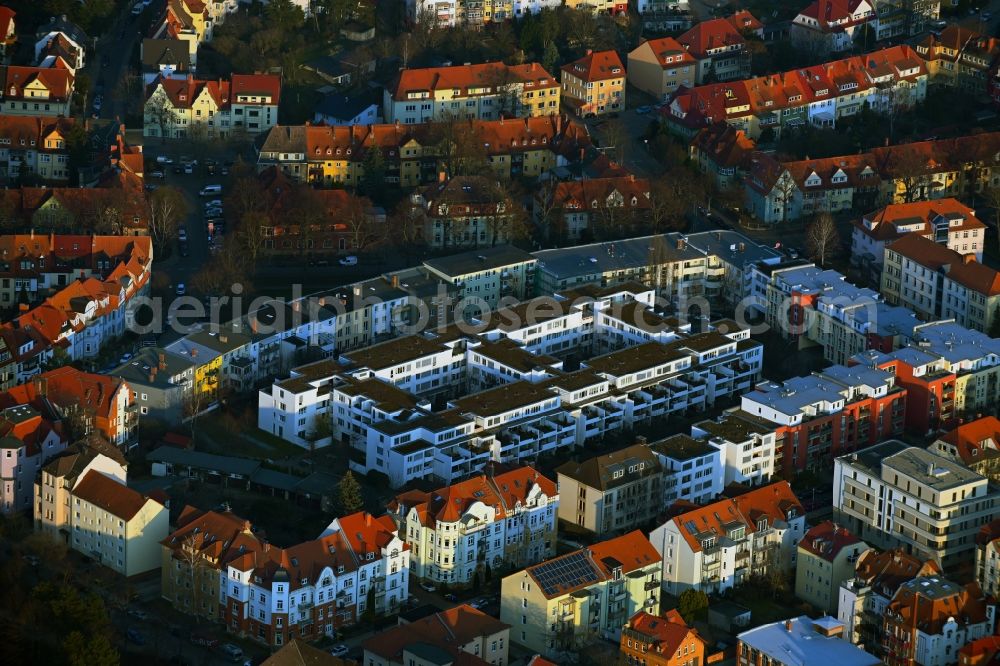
(58, 81)
(915, 606)
(725, 145)
(462, 78)
(773, 502)
(744, 21)
(988, 532)
(709, 35)
(977, 440)
(834, 14)
(597, 66)
(666, 633)
(502, 492)
(584, 194)
(983, 651)
(366, 533)
(964, 270)
(182, 93)
(103, 492)
(668, 47)
(629, 552)
(449, 630)
(827, 539)
(885, 221)
(6, 19)
(257, 84)
(887, 570)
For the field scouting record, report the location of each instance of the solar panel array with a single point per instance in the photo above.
(570, 571)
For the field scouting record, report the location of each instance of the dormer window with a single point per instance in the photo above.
(182, 97)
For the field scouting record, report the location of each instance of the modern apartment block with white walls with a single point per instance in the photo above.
(748, 446)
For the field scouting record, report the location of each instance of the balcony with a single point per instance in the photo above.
(651, 585)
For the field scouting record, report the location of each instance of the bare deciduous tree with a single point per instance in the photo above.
(167, 210)
(822, 237)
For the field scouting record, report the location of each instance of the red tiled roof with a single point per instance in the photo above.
(963, 269)
(668, 47)
(709, 35)
(597, 66)
(666, 633)
(835, 14)
(988, 532)
(6, 18)
(449, 630)
(977, 440)
(725, 145)
(182, 93)
(827, 539)
(983, 651)
(105, 493)
(257, 84)
(583, 194)
(463, 77)
(914, 608)
(58, 81)
(367, 534)
(772, 502)
(887, 570)
(744, 21)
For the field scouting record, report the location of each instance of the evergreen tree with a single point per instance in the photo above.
(369, 614)
(691, 604)
(550, 59)
(349, 494)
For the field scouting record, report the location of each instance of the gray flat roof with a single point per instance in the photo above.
(630, 253)
(483, 259)
(870, 459)
(802, 644)
(930, 469)
(206, 461)
(732, 247)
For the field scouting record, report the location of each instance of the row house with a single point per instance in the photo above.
(723, 153)
(960, 58)
(884, 81)
(864, 597)
(34, 145)
(78, 318)
(800, 640)
(828, 413)
(586, 208)
(493, 520)
(819, 307)
(612, 493)
(946, 221)
(599, 7)
(594, 85)
(81, 498)
(894, 495)
(357, 566)
(557, 607)
(949, 372)
(489, 91)
(38, 91)
(930, 619)
(417, 154)
(246, 104)
(471, 13)
(658, 67)
(975, 444)
(829, 26)
(826, 558)
(936, 282)
(665, 640)
(459, 635)
(719, 546)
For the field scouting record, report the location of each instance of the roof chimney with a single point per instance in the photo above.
(788, 626)
(968, 258)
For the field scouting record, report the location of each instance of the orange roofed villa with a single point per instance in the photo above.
(88, 284)
(217, 567)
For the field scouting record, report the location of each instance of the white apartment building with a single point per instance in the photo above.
(988, 558)
(491, 520)
(115, 525)
(487, 274)
(692, 469)
(747, 445)
(893, 495)
(311, 589)
(717, 547)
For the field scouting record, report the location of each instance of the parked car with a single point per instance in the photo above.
(214, 203)
(348, 261)
(182, 234)
(135, 636)
(210, 190)
(225, 171)
(163, 159)
(233, 652)
(156, 174)
(137, 9)
(428, 587)
(340, 650)
(189, 168)
(201, 639)
(181, 289)
(138, 613)
(98, 103)
(451, 597)
(643, 110)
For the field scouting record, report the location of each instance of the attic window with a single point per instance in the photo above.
(370, 556)
(329, 151)
(182, 97)
(340, 569)
(317, 151)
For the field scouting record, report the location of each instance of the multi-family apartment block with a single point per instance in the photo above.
(176, 108)
(459, 635)
(416, 154)
(665, 640)
(947, 222)
(800, 640)
(825, 27)
(719, 47)
(578, 208)
(939, 283)
(488, 91)
(826, 414)
(463, 212)
(975, 444)
(612, 493)
(492, 520)
(960, 58)
(659, 67)
(449, 13)
(949, 373)
(884, 81)
(81, 497)
(748, 446)
(719, 546)
(722, 152)
(894, 495)
(34, 145)
(488, 274)
(560, 605)
(931, 618)
(988, 558)
(357, 565)
(864, 598)
(827, 555)
(693, 469)
(595, 84)
(38, 91)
